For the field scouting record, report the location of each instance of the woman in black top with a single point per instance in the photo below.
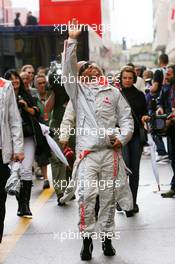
(133, 150)
(27, 108)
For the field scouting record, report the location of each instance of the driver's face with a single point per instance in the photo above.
(91, 71)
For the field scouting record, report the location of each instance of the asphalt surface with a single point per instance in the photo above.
(51, 237)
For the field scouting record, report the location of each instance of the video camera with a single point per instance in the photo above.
(55, 83)
(158, 124)
(54, 75)
(148, 84)
(20, 104)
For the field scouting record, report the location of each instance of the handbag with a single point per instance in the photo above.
(27, 129)
(158, 125)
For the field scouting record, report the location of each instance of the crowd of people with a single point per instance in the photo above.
(121, 106)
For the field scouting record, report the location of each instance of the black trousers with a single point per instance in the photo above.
(171, 151)
(172, 146)
(4, 174)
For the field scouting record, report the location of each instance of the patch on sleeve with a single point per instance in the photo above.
(2, 83)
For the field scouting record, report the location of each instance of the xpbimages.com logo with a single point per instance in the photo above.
(98, 28)
(100, 132)
(62, 236)
(71, 79)
(100, 184)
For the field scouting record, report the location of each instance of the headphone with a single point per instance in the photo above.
(128, 69)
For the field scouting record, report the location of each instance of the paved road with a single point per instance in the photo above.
(147, 238)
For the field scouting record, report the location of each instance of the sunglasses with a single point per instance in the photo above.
(84, 67)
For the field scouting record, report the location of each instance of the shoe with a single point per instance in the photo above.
(87, 248)
(129, 213)
(59, 203)
(73, 198)
(168, 194)
(19, 212)
(163, 158)
(118, 208)
(107, 247)
(136, 208)
(24, 199)
(39, 177)
(132, 212)
(162, 162)
(46, 184)
(66, 197)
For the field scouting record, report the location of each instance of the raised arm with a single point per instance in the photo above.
(70, 73)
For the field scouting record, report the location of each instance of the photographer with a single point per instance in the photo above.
(56, 104)
(151, 99)
(167, 106)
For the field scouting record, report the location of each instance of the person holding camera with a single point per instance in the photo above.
(166, 105)
(157, 83)
(11, 140)
(27, 109)
(152, 96)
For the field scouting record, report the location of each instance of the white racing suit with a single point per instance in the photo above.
(98, 109)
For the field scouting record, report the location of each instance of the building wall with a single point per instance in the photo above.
(160, 21)
(9, 13)
(102, 49)
(5, 12)
(164, 27)
(170, 47)
(143, 55)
